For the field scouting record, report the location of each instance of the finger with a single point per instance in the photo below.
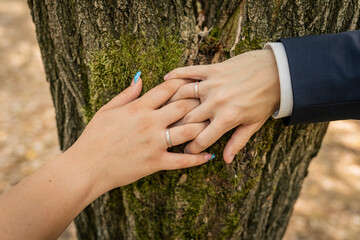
(185, 133)
(172, 161)
(160, 94)
(206, 138)
(239, 139)
(175, 111)
(126, 96)
(193, 72)
(187, 91)
(200, 114)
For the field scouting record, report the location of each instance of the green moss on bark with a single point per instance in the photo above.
(248, 43)
(180, 203)
(186, 198)
(113, 67)
(212, 44)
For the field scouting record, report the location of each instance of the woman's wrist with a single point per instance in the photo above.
(84, 174)
(52, 196)
(107, 155)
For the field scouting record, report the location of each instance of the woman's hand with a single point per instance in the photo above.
(242, 91)
(126, 141)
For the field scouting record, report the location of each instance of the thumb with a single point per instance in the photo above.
(128, 95)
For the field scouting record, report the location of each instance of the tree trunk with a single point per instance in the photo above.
(92, 49)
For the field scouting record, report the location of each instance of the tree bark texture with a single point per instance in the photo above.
(88, 49)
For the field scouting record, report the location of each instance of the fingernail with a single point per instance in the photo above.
(231, 158)
(209, 157)
(166, 77)
(136, 77)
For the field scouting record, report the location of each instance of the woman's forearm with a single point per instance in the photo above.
(44, 204)
(124, 141)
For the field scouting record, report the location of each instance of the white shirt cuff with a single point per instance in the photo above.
(286, 94)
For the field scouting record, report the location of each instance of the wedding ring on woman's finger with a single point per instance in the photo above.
(168, 139)
(196, 89)
(184, 133)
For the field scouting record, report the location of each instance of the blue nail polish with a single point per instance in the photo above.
(136, 77)
(212, 157)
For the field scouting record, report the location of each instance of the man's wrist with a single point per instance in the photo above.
(286, 97)
(273, 76)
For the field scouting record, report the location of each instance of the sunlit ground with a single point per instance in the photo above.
(329, 204)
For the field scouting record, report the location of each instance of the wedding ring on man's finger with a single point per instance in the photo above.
(196, 89)
(168, 139)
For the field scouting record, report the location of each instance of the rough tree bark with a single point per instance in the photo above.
(91, 50)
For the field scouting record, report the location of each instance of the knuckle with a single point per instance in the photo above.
(167, 86)
(215, 69)
(144, 122)
(240, 117)
(214, 84)
(225, 121)
(182, 105)
(145, 125)
(176, 72)
(194, 103)
(220, 98)
(182, 92)
(201, 127)
(199, 143)
(187, 132)
(229, 118)
(133, 108)
(204, 89)
(188, 118)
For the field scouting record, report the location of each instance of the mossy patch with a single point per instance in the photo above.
(247, 43)
(113, 67)
(211, 42)
(181, 204)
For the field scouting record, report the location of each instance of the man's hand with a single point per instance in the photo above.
(241, 92)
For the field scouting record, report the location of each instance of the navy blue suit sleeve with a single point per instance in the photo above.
(325, 77)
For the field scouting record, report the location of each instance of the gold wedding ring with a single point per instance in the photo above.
(196, 89)
(168, 140)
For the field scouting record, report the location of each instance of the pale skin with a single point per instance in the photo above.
(125, 141)
(240, 93)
